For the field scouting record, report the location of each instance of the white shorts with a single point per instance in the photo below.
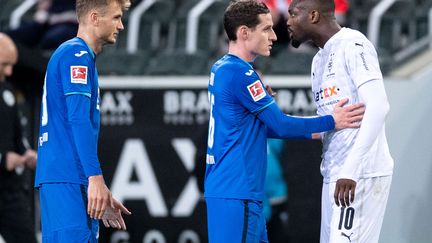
(361, 221)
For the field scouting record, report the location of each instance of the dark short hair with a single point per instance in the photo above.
(323, 6)
(85, 6)
(242, 12)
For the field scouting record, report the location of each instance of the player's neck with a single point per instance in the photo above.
(241, 52)
(90, 40)
(327, 32)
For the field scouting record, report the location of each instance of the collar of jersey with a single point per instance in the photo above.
(88, 47)
(333, 38)
(248, 63)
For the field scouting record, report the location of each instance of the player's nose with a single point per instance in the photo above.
(120, 26)
(273, 36)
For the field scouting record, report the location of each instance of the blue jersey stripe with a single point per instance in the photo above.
(263, 107)
(79, 93)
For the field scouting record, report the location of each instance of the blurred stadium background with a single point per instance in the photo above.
(154, 113)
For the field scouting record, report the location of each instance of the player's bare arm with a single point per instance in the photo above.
(349, 116)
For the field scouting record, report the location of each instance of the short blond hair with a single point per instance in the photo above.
(85, 6)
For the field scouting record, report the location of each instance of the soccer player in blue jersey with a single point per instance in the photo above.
(73, 194)
(243, 115)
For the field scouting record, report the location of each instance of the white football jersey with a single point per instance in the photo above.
(347, 61)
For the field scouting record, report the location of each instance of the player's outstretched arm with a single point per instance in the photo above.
(113, 215)
(349, 116)
(283, 126)
(279, 125)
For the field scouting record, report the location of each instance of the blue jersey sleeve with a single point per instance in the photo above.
(283, 126)
(250, 91)
(75, 71)
(86, 145)
(274, 134)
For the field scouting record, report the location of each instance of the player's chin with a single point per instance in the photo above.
(112, 40)
(265, 53)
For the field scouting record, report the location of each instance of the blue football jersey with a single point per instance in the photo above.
(236, 151)
(71, 77)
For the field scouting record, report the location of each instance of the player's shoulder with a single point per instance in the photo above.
(230, 65)
(355, 38)
(348, 33)
(232, 62)
(73, 49)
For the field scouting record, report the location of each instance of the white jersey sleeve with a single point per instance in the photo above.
(373, 95)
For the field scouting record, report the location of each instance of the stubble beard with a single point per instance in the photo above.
(295, 43)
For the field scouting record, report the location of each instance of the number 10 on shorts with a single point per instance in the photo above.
(346, 218)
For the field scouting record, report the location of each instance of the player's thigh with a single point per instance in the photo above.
(361, 221)
(233, 220)
(326, 211)
(373, 208)
(64, 214)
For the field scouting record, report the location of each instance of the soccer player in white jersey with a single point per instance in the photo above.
(242, 116)
(357, 166)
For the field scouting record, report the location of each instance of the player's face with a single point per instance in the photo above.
(297, 23)
(260, 40)
(8, 59)
(111, 23)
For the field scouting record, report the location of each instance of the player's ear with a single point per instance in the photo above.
(94, 18)
(314, 16)
(243, 32)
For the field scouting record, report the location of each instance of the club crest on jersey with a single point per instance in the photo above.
(256, 90)
(78, 74)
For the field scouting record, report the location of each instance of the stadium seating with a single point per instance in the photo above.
(162, 36)
(291, 62)
(358, 13)
(421, 16)
(177, 25)
(153, 24)
(6, 10)
(120, 62)
(398, 26)
(179, 63)
(211, 28)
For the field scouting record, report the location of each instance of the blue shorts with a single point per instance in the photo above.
(235, 221)
(64, 214)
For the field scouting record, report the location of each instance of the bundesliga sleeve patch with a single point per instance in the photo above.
(256, 90)
(78, 74)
